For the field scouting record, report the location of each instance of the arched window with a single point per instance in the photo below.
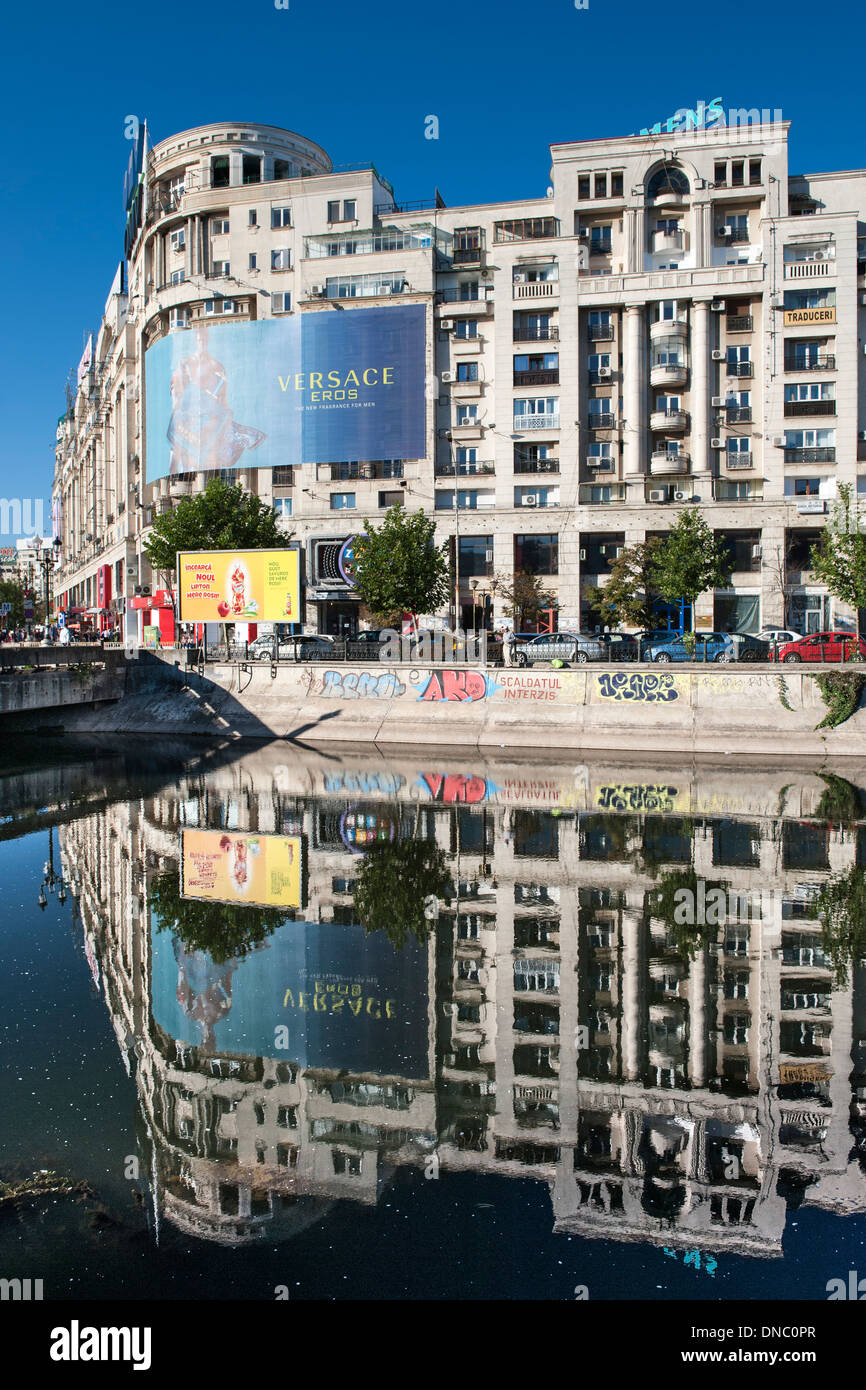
(667, 180)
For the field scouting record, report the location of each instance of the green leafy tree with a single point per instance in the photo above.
(690, 560)
(12, 592)
(676, 893)
(398, 566)
(528, 598)
(839, 558)
(225, 931)
(223, 517)
(394, 885)
(841, 903)
(630, 593)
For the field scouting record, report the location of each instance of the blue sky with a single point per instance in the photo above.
(505, 80)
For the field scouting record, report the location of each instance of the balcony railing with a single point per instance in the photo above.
(601, 420)
(731, 235)
(826, 455)
(808, 270)
(810, 407)
(597, 377)
(466, 255)
(455, 295)
(535, 422)
(600, 246)
(539, 333)
(739, 368)
(464, 470)
(734, 461)
(599, 332)
(824, 362)
(535, 289)
(738, 414)
(740, 323)
(522, 465)
(537, 378)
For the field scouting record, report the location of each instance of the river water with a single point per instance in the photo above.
(342, 1026)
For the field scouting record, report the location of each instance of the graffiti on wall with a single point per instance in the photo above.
(458, 686)
(639, 797)
(357, 685)
(640, 686)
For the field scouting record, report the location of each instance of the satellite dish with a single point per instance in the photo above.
(550, 191)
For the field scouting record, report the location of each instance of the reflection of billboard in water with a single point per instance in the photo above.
(306, 389)
(256, 870)
(316, 994)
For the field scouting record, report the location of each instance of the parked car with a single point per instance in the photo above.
(300, 647)
(779, 635)
(559, 646)
(654, 634)
(366, 645)
(747, 647)
(619, 646)
(708, 646)
(823, 646)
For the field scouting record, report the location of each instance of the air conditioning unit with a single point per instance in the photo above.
(719, 402)
(778, 441)
(519, 278)
(317, 290)
(446, 325)
(718, 305)
(604, 371)
(821, 256)
(718, 354)
(658, 494)
(488, 556)
(530, 499)
(131, 570)
(717, 443)
(448, 376)
(681, 497)
(724, 231)
(756, 552)
(142, 591)
(582, 554)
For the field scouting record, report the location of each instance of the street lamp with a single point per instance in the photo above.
(48, 560)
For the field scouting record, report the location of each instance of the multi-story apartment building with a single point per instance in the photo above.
(678, 321)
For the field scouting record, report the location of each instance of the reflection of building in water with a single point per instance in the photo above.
(684, 1101)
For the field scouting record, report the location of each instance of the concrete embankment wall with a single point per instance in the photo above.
(736, 711)
(26, 693)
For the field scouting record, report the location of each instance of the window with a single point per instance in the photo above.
(219, 306)
(466, 328)
(253, 261)
(251, 168)
(599, 239)
(281, 303)
(467, 290)
(667, 180)
(467, 457)
(177, 277)
(219, 226)
(737, 173)
(334, 210)
(598, 360)
(616, 185)
(599, 323)
(281, 217)
(283, 475)
(253, 218)
(599, 450)
(283, 507)
(599, 405)
(281, 260)
(735, 355)
(178, 239)
(600, 186)
(668, 404)
(220, 268)
(348, 210)
(740, 444)
(754, 171)
(810, 299)
(536, 554)
(810, 439)
(525, 229)
(467, 371)
(467, 414)
(802, 487)
(583, 186)
(219, 171)
(544, 406)
(535, 274)
(342, 501)
(810, 391)
(346, 1163)
(281, 169)
(720, 173)
(475, 554)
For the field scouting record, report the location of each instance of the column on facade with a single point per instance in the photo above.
(634, 393)
(634, 240)
(632, 1022)
(698, 1019)
(702, 223)
(701, 394)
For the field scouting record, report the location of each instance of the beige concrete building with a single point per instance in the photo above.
(678, 321)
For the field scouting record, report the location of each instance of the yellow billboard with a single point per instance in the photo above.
(252, 870)
(226, 586)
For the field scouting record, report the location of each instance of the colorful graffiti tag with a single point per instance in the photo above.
(388, 783)
(620, 685)
(456, 787)
(459, 686)
(355, 685)
(618, 797)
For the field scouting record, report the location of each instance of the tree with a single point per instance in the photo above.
(12, 592)
(527, 596)
(223, 517)
(398, 566)
(393, 883)
(839, 558)
(224, 931)
(690, 560)
(841, 904)
(629, 595)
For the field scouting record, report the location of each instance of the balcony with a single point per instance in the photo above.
(601, 494)
(529, 465)
(738, 461)
(535, 422)
(458, 301)
(738, 414)
(537, 378)
(739, 368)
(669, 374)
(668, 420)
(663, 464)
(680, 491)
(826, 455)
(467, 255)
(809, 270)
(669, 328)
(823, 362)
(599, 332)
(464, 470)
(535, 289)
(601, 420)
(596, 378)
(600, 246)
(665, 242)
(739, 323)
(810, 407)
(726, 491)
(598, 463)
(729, 236)
(541, 333)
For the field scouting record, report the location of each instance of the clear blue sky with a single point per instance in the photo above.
(505, 80)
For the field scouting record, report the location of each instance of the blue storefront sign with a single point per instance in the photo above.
(311, 388)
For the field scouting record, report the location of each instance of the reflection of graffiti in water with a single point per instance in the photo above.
(622, 685)
(455, 685)
(453, 787)
(637, 798)
(389, 783)
(354, 685)
(204, 990)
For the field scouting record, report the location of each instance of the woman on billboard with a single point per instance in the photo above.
(202, 432)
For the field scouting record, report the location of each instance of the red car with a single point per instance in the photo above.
(823, 646)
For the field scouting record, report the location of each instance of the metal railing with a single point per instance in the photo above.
(525, 333)
(739, 323)
(601, 420)
(738, 414)
(537, 378)
(536, 465)
(739, 368)
(810, 407)
(823, 362)
(824, 455)
(535, 422)
(599, 332)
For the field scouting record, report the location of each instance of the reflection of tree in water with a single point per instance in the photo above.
(686, 937)
(393, 883)
(841, 905)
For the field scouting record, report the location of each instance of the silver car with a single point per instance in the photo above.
(301, 647)
(559, 646)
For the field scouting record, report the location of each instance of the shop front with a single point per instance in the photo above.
(337, 605)
(156, 613)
